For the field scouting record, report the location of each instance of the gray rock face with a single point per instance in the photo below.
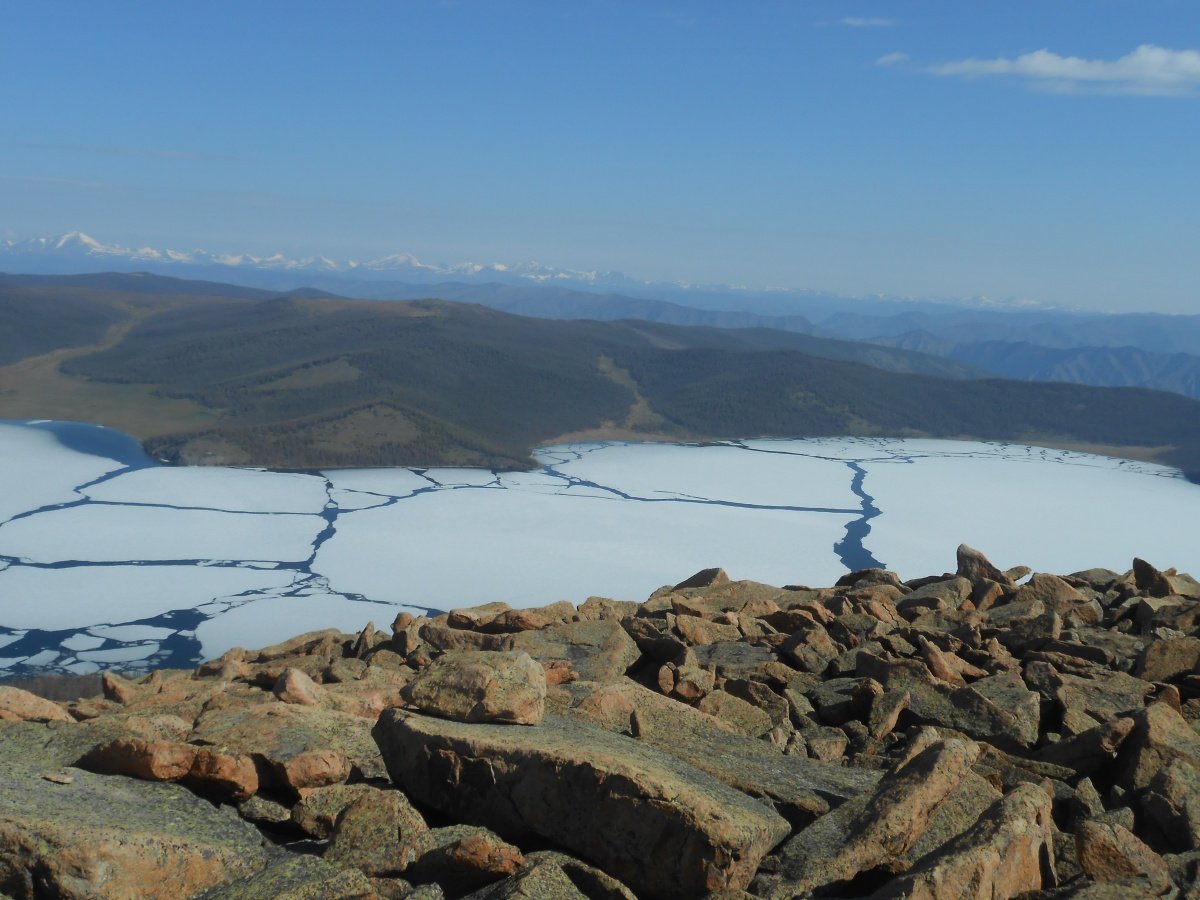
(661, 826)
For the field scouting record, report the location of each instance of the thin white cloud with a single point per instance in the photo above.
(892, 59)
(1149, 69)
(868, 22)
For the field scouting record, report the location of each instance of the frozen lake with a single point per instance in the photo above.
(107, 560)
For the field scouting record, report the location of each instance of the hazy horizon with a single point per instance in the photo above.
(1017, 151)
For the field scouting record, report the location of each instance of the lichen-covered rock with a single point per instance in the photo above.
(319, 808)
(596, 651)
(298, 747)
(1160, 735)
(21, 706)
(463, 858)
(298, 877)
(874, 829)
(379, 834)
(659, 825)
(111, 836)
(1109, 852)
(481, 686)
(1009, 851)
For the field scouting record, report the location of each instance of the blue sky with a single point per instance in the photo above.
(917, 148)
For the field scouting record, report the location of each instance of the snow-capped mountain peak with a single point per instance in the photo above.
(75, 251)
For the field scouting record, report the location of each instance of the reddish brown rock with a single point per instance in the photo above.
(481, 686)
(873, 830)
(974, 566)
(1109, 852)
(227, 776)
(379, 834)
(663, 827)
(21, 706)
(294, 686)
(463, 858)
(148, 760)
(1008, 852)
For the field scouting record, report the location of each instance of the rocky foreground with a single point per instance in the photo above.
(977, 734)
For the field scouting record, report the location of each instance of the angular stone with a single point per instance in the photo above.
(1108, 852)
(663, 827)
(871, 830)
(745, 718)
(464, 858)
(298, 876)
(596, 651)
(293, 686)
(379, 834)
(1159, 736)
(481, 686)
(974, 566)
(110, 836)
(1009, 851)
(21, 706)
(319, 808)
(802, 787)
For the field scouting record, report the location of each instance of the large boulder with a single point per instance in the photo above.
(663, 827)
(379, 834)
(1007, 852)
(463, 858)
(595, 651)
(874, 829)
(22, 706)
(1159, 736)
(296, 876)
(296, 747)
(87, 835)
(800, 787)
(481, 686)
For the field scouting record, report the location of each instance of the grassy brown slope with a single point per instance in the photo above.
(303, 383)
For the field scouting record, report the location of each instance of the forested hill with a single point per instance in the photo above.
(297, 382)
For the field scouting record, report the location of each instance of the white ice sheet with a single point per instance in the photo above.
(36, 470)
(250, 490)
(57, 599)
(102, 533)
(718, 472)
(462, 547)
(1026, 510)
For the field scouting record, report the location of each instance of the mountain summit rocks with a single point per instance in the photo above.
(982, 733)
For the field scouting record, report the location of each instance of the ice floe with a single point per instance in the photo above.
(106, 560)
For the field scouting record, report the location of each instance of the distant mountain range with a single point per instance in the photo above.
(1024, 342)
(214, 373)
(77, 253)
